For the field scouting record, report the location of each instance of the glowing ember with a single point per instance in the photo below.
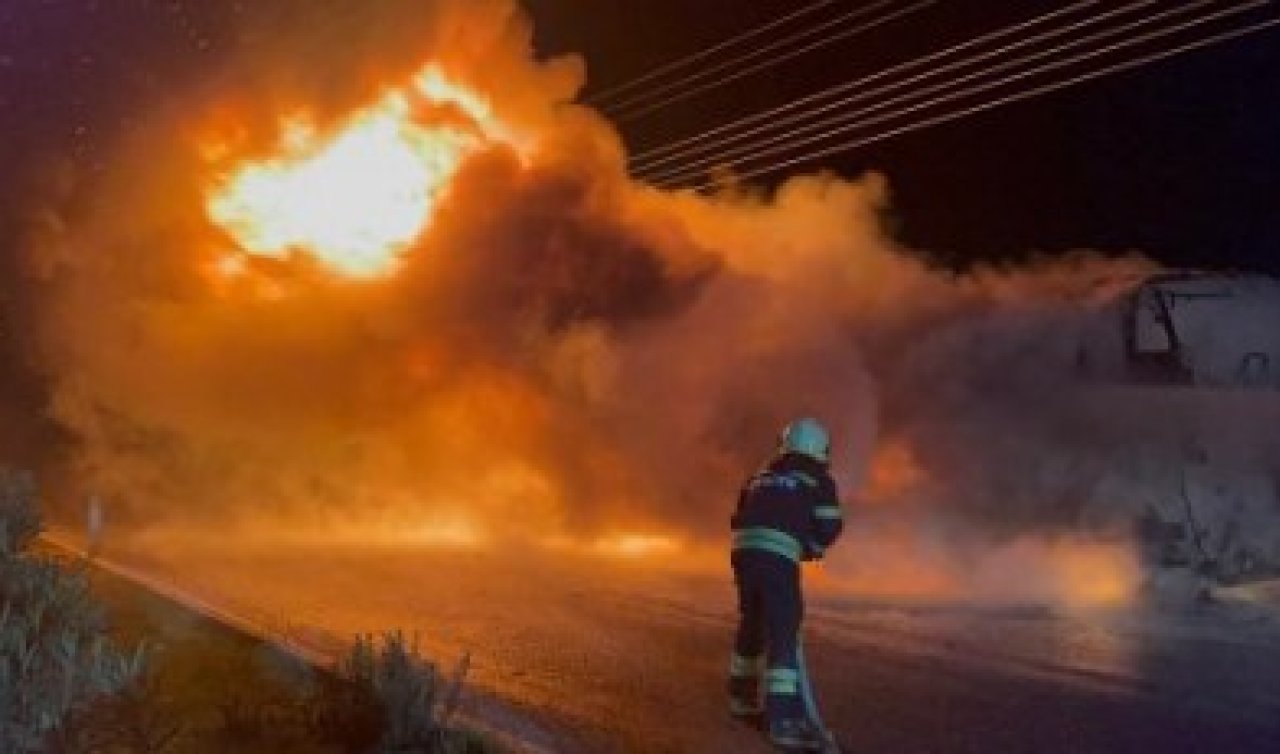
(356, 198)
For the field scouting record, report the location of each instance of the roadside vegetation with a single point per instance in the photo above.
(90, 662)
(56, 661)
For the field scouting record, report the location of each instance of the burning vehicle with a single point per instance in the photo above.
(1203, 350)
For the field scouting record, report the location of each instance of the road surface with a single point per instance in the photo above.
(613, 655)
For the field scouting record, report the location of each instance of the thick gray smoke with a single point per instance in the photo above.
(562, 349)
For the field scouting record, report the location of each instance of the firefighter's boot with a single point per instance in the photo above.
(796, 735)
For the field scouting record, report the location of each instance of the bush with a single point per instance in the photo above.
(384, 697)
(19, 517)
(55, 659)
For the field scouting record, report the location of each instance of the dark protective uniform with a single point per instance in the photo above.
(787, 513)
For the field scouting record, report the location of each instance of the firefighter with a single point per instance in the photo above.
(787, 513)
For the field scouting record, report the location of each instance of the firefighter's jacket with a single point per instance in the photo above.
(789, 508)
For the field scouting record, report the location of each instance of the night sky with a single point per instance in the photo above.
(1180, 159)
(73, 73)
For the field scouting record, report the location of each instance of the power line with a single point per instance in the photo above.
(777, 44)
(978, 89)
(601, 97)
(969, 92)
(649, 155)
(626, 112)
(642, 165)
(852, 118)
(1009, 99)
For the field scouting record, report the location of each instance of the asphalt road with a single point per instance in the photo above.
(612, 655)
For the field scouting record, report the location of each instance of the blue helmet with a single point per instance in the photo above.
(807, 437)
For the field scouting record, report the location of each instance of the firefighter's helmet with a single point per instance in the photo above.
(807, 437)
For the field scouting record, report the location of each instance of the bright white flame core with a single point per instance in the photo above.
(358, 197)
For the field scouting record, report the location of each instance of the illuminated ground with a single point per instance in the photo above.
(616, 657)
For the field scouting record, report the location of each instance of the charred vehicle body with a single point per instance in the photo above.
(1198, 354)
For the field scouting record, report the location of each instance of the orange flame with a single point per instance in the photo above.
(357, 197)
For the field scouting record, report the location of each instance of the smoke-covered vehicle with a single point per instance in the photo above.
(1198, 356)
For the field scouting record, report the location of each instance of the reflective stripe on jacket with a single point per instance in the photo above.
(770, 540)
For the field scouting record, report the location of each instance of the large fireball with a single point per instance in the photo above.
(357, 196)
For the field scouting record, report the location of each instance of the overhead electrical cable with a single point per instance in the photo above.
(846, 127)
(854, 116)
(602, 97)
(641, 165)
(1018, 96)
(685, 88)
(650, 155)
(741, 58)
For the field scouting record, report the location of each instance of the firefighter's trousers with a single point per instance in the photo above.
(771, 608)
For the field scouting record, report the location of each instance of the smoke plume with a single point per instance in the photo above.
(563, 349)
